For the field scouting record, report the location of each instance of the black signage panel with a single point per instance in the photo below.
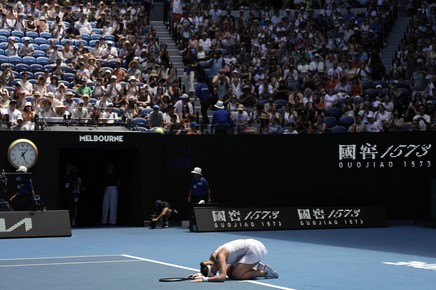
(240, 219)
(27, 224)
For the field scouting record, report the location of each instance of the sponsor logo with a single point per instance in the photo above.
(370, 156)
(233, 219)
(330, 217)
(414, 264)
(101, 138)
(27, 222)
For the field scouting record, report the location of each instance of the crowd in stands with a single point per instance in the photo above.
(300, 67)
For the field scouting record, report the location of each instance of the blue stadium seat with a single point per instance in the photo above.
(42, 60)
(3, 38)
(29, 60)
(346, 121)
(15, 59)
(118, 111)
(338, 129)
(4, 58)
(22, 67)
(93, 101)
(85, 36)
(281, 102)
(109, 37)
(17, 33)
(92, 42)
(5, 32)
(44, 46)
(95, 36)
(67, 69)
(45, 35)
(38, 74)
(36, 68)
(69, 77)
(40, 40)
(144, 112)
(2, 52)
(78, 41)
(49, 66)
(32, 81)
(32, 34)
(140, 122)
(3, 45)
(97, 31)
(330, 122)
(332, 112)
(66, 83)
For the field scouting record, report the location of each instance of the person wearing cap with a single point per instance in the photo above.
(109, 116)
(199, 189)
(222, 123)
(162, 210)
(22, 200)
(194, 129)
(109, 52)
(80, 114)
(11, 48)
(182, 103)
(155, 118)
(373, 125)
(20, 125)
(26, 85)
(241, 119)
(27, 48)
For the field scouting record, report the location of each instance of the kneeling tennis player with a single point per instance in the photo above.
(243, 257)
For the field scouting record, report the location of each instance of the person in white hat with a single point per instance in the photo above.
(222, 122)
(199, 190)
(23, 198)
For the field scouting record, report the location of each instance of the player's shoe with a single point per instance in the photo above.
(164, 226)
(270, 273)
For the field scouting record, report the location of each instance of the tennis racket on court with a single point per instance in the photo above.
(175, 279)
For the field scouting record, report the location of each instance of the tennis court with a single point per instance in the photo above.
(397, 257)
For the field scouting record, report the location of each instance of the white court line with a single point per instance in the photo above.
(192, 269)
(60, 257)
(132, 259)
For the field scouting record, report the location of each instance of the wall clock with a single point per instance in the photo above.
(22, 152)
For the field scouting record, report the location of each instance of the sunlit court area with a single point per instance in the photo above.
(396, 257)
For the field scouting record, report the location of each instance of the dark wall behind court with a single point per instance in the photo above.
(252, 170)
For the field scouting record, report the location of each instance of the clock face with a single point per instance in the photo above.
(22, 152)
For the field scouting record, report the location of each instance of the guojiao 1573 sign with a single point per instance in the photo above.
(371, 156)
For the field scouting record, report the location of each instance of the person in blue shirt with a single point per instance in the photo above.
(203, 93)
(199, 190)
(23, 199)
(222, 122)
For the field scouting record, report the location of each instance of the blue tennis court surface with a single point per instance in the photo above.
(398, 257)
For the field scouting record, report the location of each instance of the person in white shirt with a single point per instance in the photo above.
(83, 25)
(241, 119)
(373, 125)
(27, 48)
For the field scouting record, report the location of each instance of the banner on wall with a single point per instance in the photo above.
(245, 219)
(28, 224)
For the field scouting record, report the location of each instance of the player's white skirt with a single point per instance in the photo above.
(255, 253)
